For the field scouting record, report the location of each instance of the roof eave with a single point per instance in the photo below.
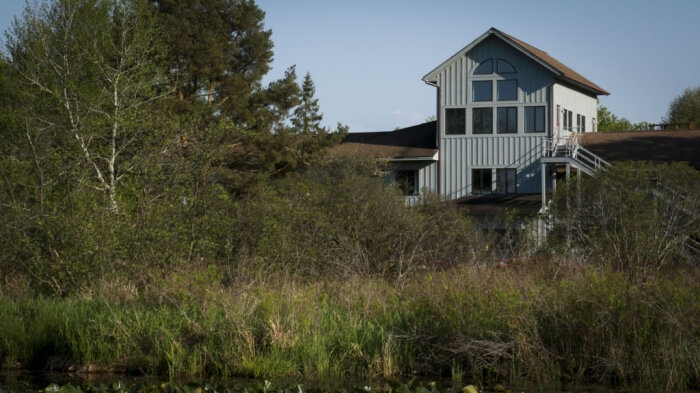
(595, 90)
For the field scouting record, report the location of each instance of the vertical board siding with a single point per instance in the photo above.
(576, 102)
(461, 155)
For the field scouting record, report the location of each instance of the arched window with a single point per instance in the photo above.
(486, 67)
(504, 67)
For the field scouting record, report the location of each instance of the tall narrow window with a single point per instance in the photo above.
(482, 121)
(534, 119)
(485, 68)
(505, 180)
(504, 67)
(406, 180)
(567, 119)
(482, 91)
(578, 122)
(508, 90)
(583, 123)
(455, 121)
(508, 120)
(481, 181)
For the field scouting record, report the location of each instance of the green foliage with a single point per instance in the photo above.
(219, 53)
(87, 73)
(608, 121)
(338, 221)
(218, 47)
(307, 118)
(634, 217)
(552, 327)
(685, 108)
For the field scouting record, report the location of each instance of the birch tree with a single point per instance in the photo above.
(88, 70)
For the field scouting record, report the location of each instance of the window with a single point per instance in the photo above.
(568, 123)
(482, 91)
(508, 120)
(583, 123)
(534, 119)
(481, 181)
(482, 121)
(578, 122)
(406, 179)
(485, 68)
(505, 180)
(504, 67)
(508, 90)
(455, 121)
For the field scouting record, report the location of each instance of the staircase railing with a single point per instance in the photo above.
(570, 147)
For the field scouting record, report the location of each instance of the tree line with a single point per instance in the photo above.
(125, 121)
(683, 109)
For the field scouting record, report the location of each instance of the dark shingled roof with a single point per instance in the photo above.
(409, 142)
(660, 146)
(496, 203)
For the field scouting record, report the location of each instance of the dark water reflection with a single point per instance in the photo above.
(25, 382)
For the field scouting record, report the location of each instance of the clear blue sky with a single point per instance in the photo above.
(367, 57)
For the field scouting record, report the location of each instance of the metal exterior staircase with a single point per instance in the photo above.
(569, 151)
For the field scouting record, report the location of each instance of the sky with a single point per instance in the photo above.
(367, 58)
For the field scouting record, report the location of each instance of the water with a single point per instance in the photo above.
(26, 382)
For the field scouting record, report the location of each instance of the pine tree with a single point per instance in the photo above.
(307, 118)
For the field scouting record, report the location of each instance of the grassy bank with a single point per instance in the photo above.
(550, 327)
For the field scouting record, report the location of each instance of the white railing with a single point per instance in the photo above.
(570, 147)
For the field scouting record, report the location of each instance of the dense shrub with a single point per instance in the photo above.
(634, 217)
(343, 219)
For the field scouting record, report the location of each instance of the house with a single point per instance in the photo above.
(510, 120)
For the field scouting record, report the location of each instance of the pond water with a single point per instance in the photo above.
(25, 382)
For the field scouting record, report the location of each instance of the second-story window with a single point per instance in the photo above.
(534, 119)
(455, 121)
(508, 120)
(568, 120)
(482, 121)
(508, 90)
(580, 123)
(482, 91)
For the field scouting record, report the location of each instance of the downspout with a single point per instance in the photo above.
(438, 120)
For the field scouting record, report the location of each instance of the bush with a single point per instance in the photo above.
(339, 220)
(634, 217)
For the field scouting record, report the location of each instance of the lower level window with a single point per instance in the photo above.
(406, 179)
(505, 180)
(481, 181)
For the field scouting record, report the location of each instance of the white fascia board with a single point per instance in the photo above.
(432, 75)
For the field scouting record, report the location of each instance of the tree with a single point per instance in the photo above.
(219, 53)
(685, 108)
(216, 46)
(307, 118)
(88, 70)
(608, 121)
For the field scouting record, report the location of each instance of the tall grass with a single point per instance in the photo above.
(544, 326)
